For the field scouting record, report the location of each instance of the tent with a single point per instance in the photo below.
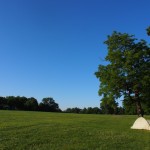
(141, 123)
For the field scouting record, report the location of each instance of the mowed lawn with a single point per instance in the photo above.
(20, 130)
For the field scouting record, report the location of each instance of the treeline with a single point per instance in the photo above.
(47, 104)
(96, 110)
(111, 107)
(88, 110)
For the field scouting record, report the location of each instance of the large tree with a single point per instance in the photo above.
(128, 69)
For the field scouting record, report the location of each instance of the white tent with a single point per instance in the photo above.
(141, 123)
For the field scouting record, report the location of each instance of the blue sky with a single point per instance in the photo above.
(53, 47)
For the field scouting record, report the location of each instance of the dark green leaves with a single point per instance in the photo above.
(128, 69)
(148, 31)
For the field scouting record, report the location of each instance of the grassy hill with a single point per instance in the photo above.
(20, 130)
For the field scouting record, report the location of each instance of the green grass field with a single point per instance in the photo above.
(22, 130)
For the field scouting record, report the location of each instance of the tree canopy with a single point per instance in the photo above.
(148, 30)
(128, 69)
(49, 104)
(31, 104)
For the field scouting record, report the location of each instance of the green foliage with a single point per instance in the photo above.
(148, 31)
(31, 104)
(48, 104)
(128, 68)
(89, 110)
(61, 131)
(146, 106)
(73, 110)
(129, 106)
(108, 105)
(2, 102)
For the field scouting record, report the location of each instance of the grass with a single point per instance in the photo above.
(20, 130)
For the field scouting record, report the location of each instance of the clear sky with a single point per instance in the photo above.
(51, 48)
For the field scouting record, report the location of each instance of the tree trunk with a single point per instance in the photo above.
(140, 111)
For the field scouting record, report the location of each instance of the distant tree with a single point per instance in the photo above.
(89, 110)
(23, 103)
(76, 110)
(20, 102)
(49, 104)
(73, 110)
(41, 107)
(96, 110)
(128, 69)
(68, 110)
(31, 104)
(108, 105)
(2, 102)
(11, 102)
(83, 111)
